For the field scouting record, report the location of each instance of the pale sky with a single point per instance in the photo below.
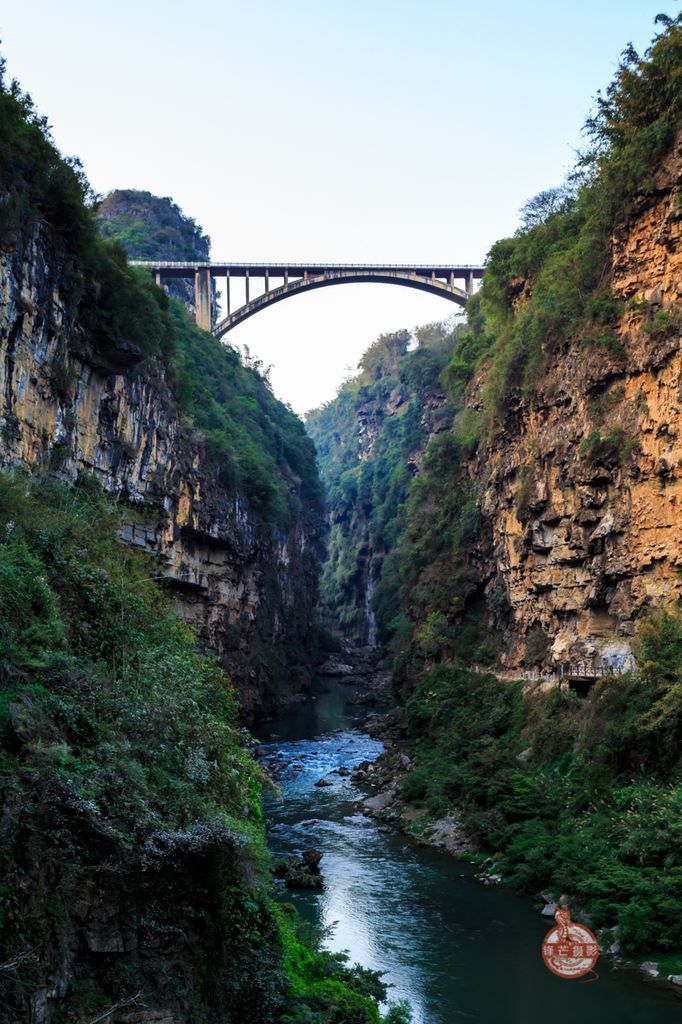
(380, 131)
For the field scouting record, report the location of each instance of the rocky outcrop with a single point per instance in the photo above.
(67, 408)
(583, 492)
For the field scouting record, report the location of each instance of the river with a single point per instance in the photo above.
(457, 950)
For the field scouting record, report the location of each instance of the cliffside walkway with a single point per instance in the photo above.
(454, 282)
(574, 674)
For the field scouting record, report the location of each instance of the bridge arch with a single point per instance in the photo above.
(309, 283)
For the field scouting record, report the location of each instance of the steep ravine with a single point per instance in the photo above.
(573, 538)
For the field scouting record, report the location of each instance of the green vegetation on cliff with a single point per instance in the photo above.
(150, 227)
(254, 442)
(41, 192)
(569, 795)
(119, 752)
(545, 291)
(368, 440)
(131, 826)
(560, 255)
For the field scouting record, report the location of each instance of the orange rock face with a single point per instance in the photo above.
(585, 538)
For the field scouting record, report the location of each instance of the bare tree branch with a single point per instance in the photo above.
(133, 1000)
(20, 960)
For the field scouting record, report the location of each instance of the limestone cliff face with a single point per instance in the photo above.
(66, 408)
(583, 493)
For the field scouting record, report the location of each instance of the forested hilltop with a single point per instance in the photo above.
(539, 535)
(147, 472)
(149, 227)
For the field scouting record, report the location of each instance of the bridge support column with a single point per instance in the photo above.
(227, 292)
(469, 279)
(157, 277)
(203, 298)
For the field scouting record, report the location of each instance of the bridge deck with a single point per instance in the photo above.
(171, 268)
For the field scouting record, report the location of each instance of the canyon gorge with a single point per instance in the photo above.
(449, 598)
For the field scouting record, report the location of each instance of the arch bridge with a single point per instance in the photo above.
(454, 282)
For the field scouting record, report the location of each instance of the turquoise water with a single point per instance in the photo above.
(457, 950)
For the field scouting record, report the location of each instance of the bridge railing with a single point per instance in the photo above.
(572, 671)
(580, 670)
(442, 270)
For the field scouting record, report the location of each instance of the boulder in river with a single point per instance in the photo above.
(323, 782)
(311, 858)
(301, 872)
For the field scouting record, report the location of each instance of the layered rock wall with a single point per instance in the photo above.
(66, 409)
(583, 492)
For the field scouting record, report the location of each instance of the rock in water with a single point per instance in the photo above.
(311, 858)
(301, 872)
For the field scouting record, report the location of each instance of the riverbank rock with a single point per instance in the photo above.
(358, 667)
(301, 872)
(379, 802)
(445, 834)
(360, 772)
